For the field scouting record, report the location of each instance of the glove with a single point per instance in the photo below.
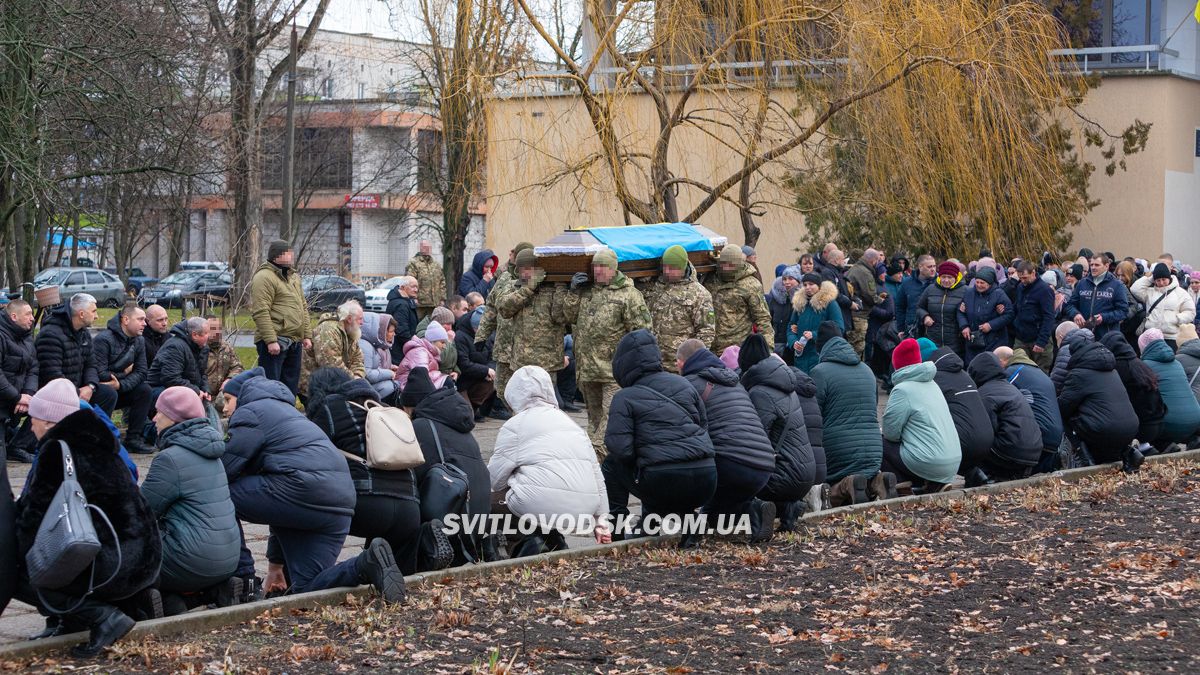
(539, 275)
(579, 280)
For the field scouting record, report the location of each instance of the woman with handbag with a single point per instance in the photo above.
(388, 505)
(76, 445)
(1167, 305)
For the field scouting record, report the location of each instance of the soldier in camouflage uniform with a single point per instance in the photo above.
(680, 306)
(431, 279)
(602, 313)
(738, 301)
(492, 321)
(534, 311)
(223, 363)
(335, 344)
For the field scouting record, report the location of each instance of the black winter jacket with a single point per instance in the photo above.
(806, 390)
(472, 358)
(153, 341)
(773, 391)
(113, 351)
(454, 420)
(1146, 400)
(971, 420)
(18, 364)
(942, 304)
(343, 418)
(1035, 384)
(63, 351)
(1093, 400)
(180, 362)
(272, 441)
(657, 418)
(733, 423)
(1018, 439)
(404, 311)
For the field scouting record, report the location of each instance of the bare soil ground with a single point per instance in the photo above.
(1097, 576)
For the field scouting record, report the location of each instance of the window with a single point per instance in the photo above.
(429, 160)
(76, 279)
(96, 279)
(324, 159)
(1113, 23)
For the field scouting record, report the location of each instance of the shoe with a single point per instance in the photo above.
(882, 486)
(495, 547)
(766, 521)
(174, 604)
(569, 408)
(480, 419)
(690, 541)
(531, 545)
(849, 490)
(976, 477)
(147, 605)
(500, 414)
(252, 589)
(817, 498)
(791, 512)
(19, 455)
(54, 626)
(231, 592)
(377, 566)
(104, 634)
(436, 550)
(134, 445)
(1082, 456)
(1131, 460)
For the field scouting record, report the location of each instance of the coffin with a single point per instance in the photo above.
(639, 249)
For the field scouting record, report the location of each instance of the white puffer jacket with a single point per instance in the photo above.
(543, 457)
(1175, 310)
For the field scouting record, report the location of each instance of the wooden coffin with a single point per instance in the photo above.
(571, 252)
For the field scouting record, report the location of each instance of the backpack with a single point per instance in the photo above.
(391, 440)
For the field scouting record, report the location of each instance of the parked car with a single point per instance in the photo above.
(201, 265)
(377, 297)
(325, 292)
(136, 279)
(107, 288)
(173, 289)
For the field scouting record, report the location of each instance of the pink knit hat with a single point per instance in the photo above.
(1149, 336)
(54, 401)
(179, 404)
(730, 356)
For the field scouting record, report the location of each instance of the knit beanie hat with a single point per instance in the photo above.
(730, 356)
(179, 404)
(605, 258)
(1063, 330)
(754, 349)
(1147, 337)
(1193, 276)
(780, 269)
(748, 251)
(907, 353)
(948, 268)
(987, 274)
(733, 254)
(1050, 278)
(1187, 333)
(435, 332)
(894, 267)
(676, 257)
(793, 272)
(927, 347)
(1161, 271)
(826, 332)
(418, 388)
(54, 401)
(234, 386)
(276, 249)
(811, 278)
(526, 258)
(1077, 271)
(441, 315)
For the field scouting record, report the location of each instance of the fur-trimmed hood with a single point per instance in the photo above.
(826, 294)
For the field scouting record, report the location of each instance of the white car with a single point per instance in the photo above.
(377, 297)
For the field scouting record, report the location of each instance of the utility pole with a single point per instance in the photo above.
(289, 142)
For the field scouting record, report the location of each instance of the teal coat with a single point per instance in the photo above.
(1183, 412)
(847, 394)
(187, 491)
(807, 315)
(918, 418)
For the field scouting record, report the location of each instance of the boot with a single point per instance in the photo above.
(136, 446)
(690, 540)
(762, 522)
(849, 490)
(531, 545)
(883, 486)
(817, 498)
(18, 455)
(790, 513)
(377, 566)
(174, 604)
(1082, 456)
(976, 477)
(1131, 460)
(495, 547)
(229, 593)
(104, 633)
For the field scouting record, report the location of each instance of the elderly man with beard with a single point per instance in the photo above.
(335, 342)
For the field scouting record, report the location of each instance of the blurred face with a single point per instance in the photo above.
(727, 268)
(526, 273)
(672, 273)
(1098, 266)
(426, 248)
(810, 288)
(806, 265)
(156, 319)
(982, 286)
(214, 332)
(23, 317)
(286, 259)
(135, 323)
(1026, 278)
(602, 274)
(789, 284)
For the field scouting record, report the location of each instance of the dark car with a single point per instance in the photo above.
(173, 290)
(325, 292)
(135, 278)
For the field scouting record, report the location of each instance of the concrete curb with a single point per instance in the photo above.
(195, 622)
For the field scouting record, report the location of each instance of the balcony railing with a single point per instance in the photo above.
(1150, 59)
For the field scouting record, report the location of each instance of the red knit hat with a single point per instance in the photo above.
(907, 353)
(948, 268)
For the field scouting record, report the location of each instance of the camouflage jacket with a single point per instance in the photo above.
(601, 316)
(535, 317)
(681, 310)
(431, 280)
(223, 363)
(492, 321)
(332, 347)
(740, 306)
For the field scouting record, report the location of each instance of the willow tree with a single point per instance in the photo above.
(925, 83)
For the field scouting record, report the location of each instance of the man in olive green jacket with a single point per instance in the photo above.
(281, 326)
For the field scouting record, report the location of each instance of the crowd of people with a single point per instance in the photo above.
(714, 396)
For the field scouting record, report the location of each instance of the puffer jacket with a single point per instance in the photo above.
(187, 491)
(942, 304)
(993, 308)
(779, 304)
(1184, 419)
(1062, 360)
(278, 304)
(1189, 358)
(473, 358)
(542, 456)
(773, 391)
(1174, 310)
(657, 418)
(911, 290)
(1147, 401)
(472, 280)
(1093, 399)
(113, 351)
(847, 393)
(1018, 439)
(420, 353)
(733, 423)
(18, 364)
(806, 391)
(269, 438)
(807, 316)
(454, 420)
(377, 354)
(404, 312)
(918, 418)
(180, 362)
(1024, 374)
(63, 351)
(970, 414)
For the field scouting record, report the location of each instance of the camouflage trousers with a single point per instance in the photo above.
(598, 396)
(858, 337)
(504, 373)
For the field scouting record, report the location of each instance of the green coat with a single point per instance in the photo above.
(431, 280)
(740, 306)
(918, 418)
(1183, 413)
(847, 394)
(492, 321)
(277, 305)
(535, 314)
(601, 315)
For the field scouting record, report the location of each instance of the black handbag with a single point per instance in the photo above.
(445, 487)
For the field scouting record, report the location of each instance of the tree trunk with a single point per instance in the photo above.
(245, 230)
